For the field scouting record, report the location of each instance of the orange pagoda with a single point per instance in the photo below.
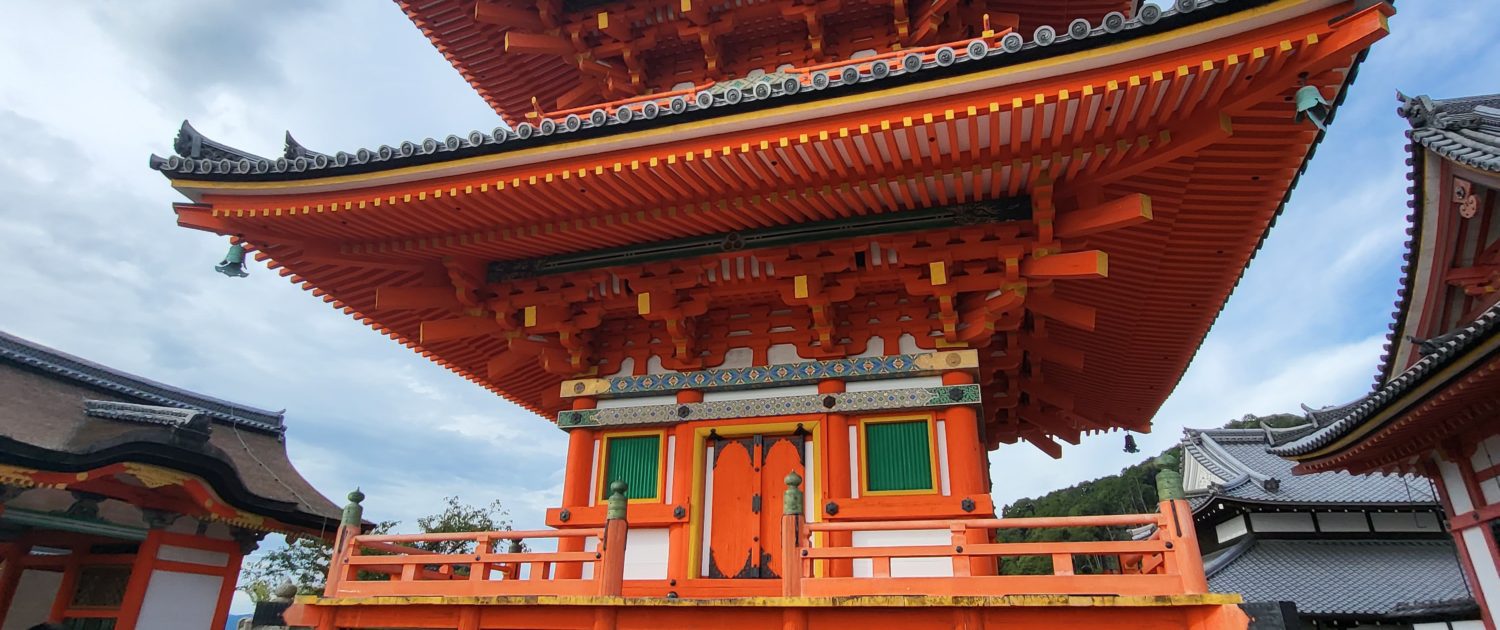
(786, 271)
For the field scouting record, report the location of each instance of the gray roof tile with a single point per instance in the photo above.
(39, 357)
(1465, 130)
(1343, 577)
(1239, 457)
(1453, 345)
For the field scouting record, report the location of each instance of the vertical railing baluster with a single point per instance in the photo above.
(791, 536)
(610, 570)
(344, 546)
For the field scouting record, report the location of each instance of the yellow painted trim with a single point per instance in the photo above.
(700, 453)
(939, 272)
(932, 456)
(842, 103)
(661, 466)
(1400, 405)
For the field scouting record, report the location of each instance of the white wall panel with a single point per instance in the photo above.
(906, 567)
(33, 600)
(1405, 522)
(1231, 529)
(646, 554)
(180, 601)
(193, 556)
(1281, 522)
(1343, 522)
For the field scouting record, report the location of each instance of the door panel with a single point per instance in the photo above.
(749, 478)
(733, 549)
(781, 455)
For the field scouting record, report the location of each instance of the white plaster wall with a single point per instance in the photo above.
(738, 358)
(942, 451)
(646, 554)
(180, 601)
(1195, 476)
(906, 567)
(193, 556)
(640, 401)
(894, 383)
(783, 353)
(33, 600)
(1484, 566)
(1281, 522)
(1474, 624)
(1231, 529)
(1405, 522)
(769, 392)
(1343, 522)
(875, 347)
(1453, 483)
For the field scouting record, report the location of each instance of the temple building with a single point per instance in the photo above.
(787, 273)
(126, 503)
(1349, 551)
(1436, 401)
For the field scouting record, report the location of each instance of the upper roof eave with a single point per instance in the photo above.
(233, 172)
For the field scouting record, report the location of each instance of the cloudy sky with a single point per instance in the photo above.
(92, 263)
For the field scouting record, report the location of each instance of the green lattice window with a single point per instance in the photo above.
(898, 456)
(636, 460)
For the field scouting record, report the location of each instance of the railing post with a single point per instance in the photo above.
(792, 566)
(343, 542)
(611, 568)
(958, 537)
(1176, 521)
(479, 570)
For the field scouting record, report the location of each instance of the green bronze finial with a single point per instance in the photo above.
(791, 500)
(353, 512)
(1168, 478)
(617, 500)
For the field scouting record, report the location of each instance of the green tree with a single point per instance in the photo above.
(304, 559)
(1133, 490)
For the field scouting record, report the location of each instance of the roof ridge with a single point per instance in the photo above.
(1486, 324)
(32, 354)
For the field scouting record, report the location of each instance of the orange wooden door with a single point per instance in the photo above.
(749, 476)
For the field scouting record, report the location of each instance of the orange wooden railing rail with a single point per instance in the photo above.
(1166, 563)
(367, 565)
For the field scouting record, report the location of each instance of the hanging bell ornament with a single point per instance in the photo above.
(1130, 446)
(1312, 106)
(233, 264)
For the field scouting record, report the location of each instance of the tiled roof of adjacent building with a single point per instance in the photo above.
(1250, 474)
(1441, 352)
(61, 413)
(40, 357)
(1348, 578)
(1465, 130)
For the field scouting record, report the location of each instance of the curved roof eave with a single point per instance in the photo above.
(303, 171)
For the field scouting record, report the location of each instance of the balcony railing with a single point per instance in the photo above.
(819, 558)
